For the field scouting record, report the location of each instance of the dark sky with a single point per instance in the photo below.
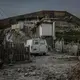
(16, 7)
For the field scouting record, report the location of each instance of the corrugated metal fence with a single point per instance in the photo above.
(13, 52)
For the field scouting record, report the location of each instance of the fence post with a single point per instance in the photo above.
(11, 54)
(29, 57)
(62, 41)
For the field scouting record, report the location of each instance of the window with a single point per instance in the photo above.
(36, 42)
(42, 42)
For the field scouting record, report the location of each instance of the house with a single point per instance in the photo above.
(36, 16)
(47, 23)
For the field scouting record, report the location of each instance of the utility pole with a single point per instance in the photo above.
(53, 33)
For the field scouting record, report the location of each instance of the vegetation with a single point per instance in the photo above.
(69, 36)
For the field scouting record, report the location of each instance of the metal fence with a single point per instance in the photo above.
(13, 52)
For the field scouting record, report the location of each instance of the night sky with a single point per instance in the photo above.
(10, 8)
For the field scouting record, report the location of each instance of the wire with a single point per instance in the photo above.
(3, 12)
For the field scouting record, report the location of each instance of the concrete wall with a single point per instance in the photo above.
(46, 29)
(19, 25)
(70, 48)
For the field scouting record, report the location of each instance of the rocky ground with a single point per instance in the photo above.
(54, 66)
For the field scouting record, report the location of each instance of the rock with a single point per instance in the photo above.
(63, 77)
(18, 69)
(79, 58)
(32, 73)
(26, 74)
(74, 73)
(5, 73)
(58, 77)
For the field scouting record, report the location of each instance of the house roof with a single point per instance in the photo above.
(4, 23)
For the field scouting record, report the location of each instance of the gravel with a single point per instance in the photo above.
(44, 68)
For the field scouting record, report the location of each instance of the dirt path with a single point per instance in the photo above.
(52, 67)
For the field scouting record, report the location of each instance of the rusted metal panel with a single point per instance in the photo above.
(59, 14)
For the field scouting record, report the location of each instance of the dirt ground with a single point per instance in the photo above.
(54, 66)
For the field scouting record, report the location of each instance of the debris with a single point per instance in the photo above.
(5, 73)
(26, 74)
(45, 68)
(32, 73)
(18, 69)
(74, 73)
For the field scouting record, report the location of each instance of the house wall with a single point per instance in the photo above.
(40, 30)
(37, 32)
(46, 29)
(19, 25)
